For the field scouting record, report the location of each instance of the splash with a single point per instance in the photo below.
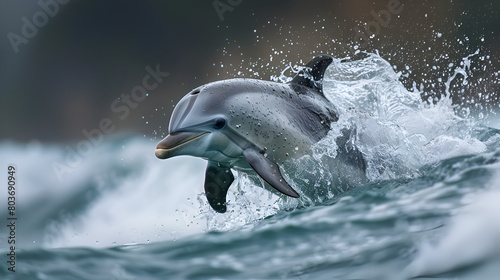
(397, 132)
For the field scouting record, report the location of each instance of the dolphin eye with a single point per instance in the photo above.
(220, 123)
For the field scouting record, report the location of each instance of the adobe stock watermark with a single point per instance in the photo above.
(381, 19)
(49, 9)
(121, 106)
(222, 6)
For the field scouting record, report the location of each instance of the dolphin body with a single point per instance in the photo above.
(252, 125)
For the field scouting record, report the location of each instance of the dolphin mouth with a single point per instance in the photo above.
(175, 140)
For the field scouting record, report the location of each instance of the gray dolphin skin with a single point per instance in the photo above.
(250, 125)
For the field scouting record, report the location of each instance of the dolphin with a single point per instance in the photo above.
(253, 126)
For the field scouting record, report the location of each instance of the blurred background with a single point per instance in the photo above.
(85, 54)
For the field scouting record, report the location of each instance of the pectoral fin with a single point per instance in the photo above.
(269, 171)
(217, 181)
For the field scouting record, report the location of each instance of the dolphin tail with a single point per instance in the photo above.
(218, 179)
(269, 171)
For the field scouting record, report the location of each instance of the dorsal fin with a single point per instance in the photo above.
(312, 75)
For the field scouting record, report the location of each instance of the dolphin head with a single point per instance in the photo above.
(200, 126)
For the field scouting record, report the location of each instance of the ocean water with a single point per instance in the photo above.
(428, 209)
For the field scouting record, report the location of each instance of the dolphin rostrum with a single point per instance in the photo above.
(249, 124)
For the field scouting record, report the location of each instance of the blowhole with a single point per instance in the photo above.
(195, 92)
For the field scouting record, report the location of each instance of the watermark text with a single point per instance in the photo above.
(222, 6)
(11, 218)
(121, 106)
(29, 29)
